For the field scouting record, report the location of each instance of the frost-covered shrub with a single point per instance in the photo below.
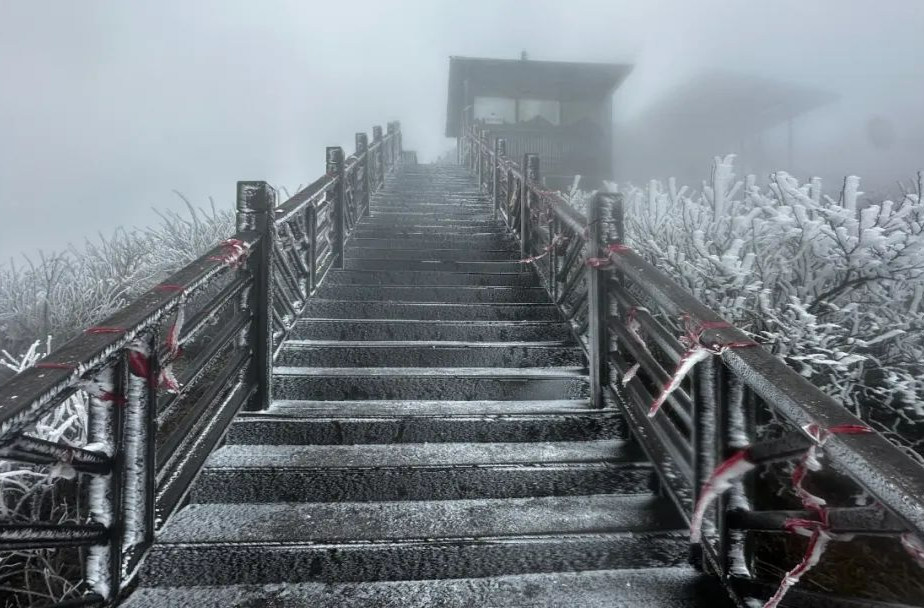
(831, 285)
(29, 494)
(60, 293)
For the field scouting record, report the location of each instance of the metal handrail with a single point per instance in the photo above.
(148, 434)
(706, 420)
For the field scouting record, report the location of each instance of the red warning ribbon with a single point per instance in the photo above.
(818, 530)
(696, 351)
(233, 253)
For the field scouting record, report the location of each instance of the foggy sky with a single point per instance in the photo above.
(106, 107)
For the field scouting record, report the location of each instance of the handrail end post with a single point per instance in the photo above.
(362, 150)
(530, 176)
(598, 306)
(256, 201)
(334, 161)
(500, 151)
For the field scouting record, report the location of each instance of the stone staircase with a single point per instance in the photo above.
(431, 444)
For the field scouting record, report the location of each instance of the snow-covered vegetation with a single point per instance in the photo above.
(60, 293)
(831, 283)
(57, 295)
(42, 493)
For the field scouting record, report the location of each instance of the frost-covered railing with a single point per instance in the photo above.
(163, 377)
(735, 434)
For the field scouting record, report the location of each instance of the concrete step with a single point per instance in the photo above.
(424, 293)
(365, 229)
(386, 226)
(240, 473)
(444, 241)
(340, 309)
(433, 278)
(426, 353)
(677, 587)
(429, 383)
(411, 540)
(351, 263)
(459, 255)
(430, 195)
(297, 422)
(455, 209)
(459, 207)
(412, 329)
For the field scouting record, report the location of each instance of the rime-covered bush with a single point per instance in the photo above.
(57, 295)
(833, 285)
(60, 293)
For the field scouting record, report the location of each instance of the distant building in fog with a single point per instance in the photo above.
(716, 113)
(559, 110)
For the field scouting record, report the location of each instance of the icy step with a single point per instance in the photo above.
(417, 520)
(380, 421)
(413, 221)
(424, 471)
(436, 212)
(436, 241)
(421, 455)
(423, 353)
(425, 293)
(412, 329)
(412, 540)
(376, 408)
(366, 229)
(680, 587)
(358, 309)
(431, 278)
(459, 254)
(429, 383)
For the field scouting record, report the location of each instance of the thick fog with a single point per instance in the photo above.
(107, 107)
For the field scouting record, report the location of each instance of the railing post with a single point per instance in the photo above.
(338, 204)
(598, 307)
(255, 204)
(380, 156)
(482, 152)
(362, 149)
(500, 152)
(530, 176)
(508, 212)
(311, 225)
(392, 145)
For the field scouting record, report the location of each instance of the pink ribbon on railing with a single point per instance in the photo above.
(233, 253)
(696, 351)
(105, 330)
(139, 363)
(169, 287)
(552, 245)
(173, 334)
(914, 546)
(174, 350)
(54, 365)
(818, 530)
(103, 390)
(634, 327)
(611, 249)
